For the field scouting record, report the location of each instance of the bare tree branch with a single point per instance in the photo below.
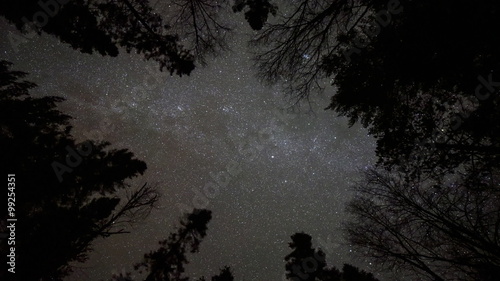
(444, 231)
(201, 26)
(295, 47)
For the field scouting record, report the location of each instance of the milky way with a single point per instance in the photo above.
(265, 172)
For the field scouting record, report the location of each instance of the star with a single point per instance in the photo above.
(295, 168)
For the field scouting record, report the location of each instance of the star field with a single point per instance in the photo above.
(294, 166)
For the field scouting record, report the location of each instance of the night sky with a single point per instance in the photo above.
(295, 167)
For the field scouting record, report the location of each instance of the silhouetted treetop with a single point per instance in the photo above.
(304, 262)
(224, 275)
(257, 11)
(307, 264)
(167, 263)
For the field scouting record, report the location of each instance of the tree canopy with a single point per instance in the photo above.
(188, 31)
(59, 213)
(437, 231)
(422, 77)
(426, 87)
(423, 86)
(305, 263)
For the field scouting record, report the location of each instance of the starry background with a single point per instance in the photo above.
(296, 166)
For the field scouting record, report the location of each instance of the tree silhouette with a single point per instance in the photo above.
(304, 262)
(352, 273)
(424, 87)
(257, 11)
(200, 23)
(59, 218)
(427, 90)
(295, 46)
(308, 264)
(106, 26)
(438, 230)
(167, 262)
(224, 275)
(420, 85)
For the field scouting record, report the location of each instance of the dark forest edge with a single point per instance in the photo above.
(425, 87)
(106, 27)
(61, 214)
(304, 263)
